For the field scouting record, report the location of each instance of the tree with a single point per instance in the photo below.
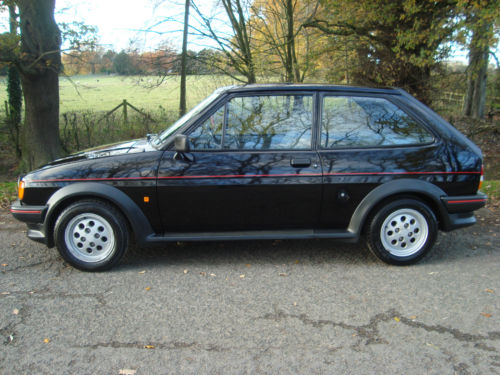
(37, 56)
(398, 42)
(280, 38)
(236, 46)
(14, 91)
(184, 56)
(480, 21)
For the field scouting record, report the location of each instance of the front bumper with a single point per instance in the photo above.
(28, 214)
(460, 209)
(34, 217)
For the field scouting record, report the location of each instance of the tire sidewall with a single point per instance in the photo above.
(111, 215)
(375, 242)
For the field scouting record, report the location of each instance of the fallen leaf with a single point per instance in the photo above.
(11, 338)
(148, 288)
(186, 271)
(127, 371)
(397, 319)
(247, 265)
(295, 303)
(242, 276)
(5, 293)
(433, 273)
(149, 346)
(4, 264)
(46, 341)
(203, 273)
(283, 274)
(213, 274)
(15, 311)
(489, 290)
(413, 317)
(142, 272)
(486, 315)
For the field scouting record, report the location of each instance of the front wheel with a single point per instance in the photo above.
(91, 235)
(402, 232)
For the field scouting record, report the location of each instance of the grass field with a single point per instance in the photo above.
(103, 93)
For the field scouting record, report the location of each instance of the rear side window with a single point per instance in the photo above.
(349, 121)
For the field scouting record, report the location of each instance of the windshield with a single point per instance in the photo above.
(188, 116)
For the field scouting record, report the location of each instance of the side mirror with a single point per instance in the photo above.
(181, 143)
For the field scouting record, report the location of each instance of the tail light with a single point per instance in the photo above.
(20, 190)
(481, 179)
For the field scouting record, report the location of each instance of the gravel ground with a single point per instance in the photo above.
(257, 307)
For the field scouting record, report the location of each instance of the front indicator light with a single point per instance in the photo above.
(20, 190)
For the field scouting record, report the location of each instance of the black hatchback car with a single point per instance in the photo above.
(265, 162)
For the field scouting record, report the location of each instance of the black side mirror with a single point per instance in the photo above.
(181, 143)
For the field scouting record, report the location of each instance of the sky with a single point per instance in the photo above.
(121, 22)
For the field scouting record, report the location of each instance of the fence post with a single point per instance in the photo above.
(125, 114)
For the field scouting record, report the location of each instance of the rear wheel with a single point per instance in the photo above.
(91, 235)
(402, 232)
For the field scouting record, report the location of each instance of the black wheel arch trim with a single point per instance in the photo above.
(398, 187)
(138, 221)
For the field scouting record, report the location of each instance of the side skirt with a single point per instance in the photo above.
(252, 235)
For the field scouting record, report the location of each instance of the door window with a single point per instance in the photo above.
(260, 122)
(208, 136)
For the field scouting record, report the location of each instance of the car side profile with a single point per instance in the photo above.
(281, 161)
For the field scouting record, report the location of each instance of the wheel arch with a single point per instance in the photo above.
(404, 188)
(62, 198)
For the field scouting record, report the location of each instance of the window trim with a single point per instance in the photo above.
(389, 98)
(314, 120)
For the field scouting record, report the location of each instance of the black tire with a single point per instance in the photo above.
(107, 233)
(402, 232)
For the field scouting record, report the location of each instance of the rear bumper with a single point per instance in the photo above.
(464, 203)
(460, 209)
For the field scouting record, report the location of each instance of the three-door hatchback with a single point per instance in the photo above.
(265, 162)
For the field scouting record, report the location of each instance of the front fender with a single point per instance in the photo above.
(396, 187)
(138, 221)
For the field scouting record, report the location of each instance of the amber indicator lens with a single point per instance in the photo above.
(481, 179)
(20, 190)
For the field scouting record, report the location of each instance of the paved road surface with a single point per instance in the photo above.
(259, 307)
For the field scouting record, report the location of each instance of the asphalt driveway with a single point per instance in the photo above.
(258, 307)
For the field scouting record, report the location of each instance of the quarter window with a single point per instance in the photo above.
(367, 122)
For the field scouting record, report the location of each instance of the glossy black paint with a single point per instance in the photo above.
(306, 194)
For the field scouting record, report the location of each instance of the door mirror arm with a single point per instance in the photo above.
(181, 146)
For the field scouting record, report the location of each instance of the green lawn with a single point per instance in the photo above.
(103, 92)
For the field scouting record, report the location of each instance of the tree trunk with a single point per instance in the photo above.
(182, 104)
(40, 66)
(475, 98)
(14, 92)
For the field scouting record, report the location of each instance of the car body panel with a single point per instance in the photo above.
(240, 194)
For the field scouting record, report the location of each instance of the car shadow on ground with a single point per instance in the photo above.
(450, 247)
(249, 252)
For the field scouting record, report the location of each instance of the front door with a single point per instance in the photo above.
(251, 167)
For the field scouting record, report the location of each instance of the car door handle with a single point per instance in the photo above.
(300, 162)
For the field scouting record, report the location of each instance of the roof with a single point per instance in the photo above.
(310, 86)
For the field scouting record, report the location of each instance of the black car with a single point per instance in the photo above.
(265, 162)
